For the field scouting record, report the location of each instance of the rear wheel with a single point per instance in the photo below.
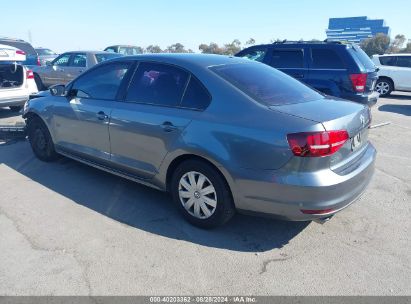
(202, 194)
(384, 86)
(15, 108)
(40, 140)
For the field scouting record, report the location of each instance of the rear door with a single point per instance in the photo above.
(152, 117)
(81, 122)
(289, 60)
(76, 66)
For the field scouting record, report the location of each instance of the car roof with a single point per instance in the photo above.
(121, 45)
(187, 59)
(87, 52)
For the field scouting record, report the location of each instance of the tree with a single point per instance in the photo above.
(378, 44)
(397, 44)
(153, 49)
(250, 41)
(177, 48)
(407, 49)
(212, 48)
(233, 47)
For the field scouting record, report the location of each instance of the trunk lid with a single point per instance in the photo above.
(336, 114)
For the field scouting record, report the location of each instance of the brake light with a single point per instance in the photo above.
(29, 74)
(317, 144)
(20, 52)
(359, 81)
(38, 61)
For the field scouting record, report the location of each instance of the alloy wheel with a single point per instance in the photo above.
(382, 87)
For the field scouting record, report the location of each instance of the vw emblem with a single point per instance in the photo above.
(362, 119)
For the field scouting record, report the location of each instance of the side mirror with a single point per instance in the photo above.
(58, 90)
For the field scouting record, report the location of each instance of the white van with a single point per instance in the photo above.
(394, 73)
(16, 81)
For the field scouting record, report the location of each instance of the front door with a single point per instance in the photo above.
(81, 123)
(55, 72)
(76, 66)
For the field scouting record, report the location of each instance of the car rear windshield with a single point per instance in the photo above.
(362, 57)
(45, 52)
(104, 57)
(266, 84)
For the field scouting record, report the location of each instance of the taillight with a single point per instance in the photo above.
(317, 144)
(359, 81)
(20, 52)
(29, 74)
(38, 61)
(322, 211)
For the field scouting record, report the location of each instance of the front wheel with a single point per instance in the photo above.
(384, 87)
(40, 140)
(202, 194)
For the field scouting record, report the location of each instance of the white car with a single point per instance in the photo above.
(16, 81)
(394, 73)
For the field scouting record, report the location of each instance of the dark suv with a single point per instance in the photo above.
(341, 70)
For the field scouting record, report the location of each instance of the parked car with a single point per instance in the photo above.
(336, 69)
(394, 73)
(32, 58)
(16, 81)
(68, 66)
(220, 133)
(45, 55)
(124, 49)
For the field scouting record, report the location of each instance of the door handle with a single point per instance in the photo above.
(101, 115)
(168, 126)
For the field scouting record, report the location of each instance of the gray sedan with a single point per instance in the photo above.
(219, 133)
(68, 66)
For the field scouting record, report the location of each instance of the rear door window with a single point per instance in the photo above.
(79, 60)
(196, 95)
(157, 84)
(326, 59)
(287, 59)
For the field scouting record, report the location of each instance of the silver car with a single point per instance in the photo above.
(68, 66)
(219, 133)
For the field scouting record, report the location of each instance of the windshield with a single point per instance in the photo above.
(104, 57)
(266, 84)
(45, 52)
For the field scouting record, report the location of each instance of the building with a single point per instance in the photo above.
(355, 29)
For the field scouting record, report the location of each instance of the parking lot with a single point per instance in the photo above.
(69, 229)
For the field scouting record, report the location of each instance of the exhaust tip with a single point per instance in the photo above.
(323, 220)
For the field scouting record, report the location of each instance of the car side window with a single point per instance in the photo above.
(326, 59)
(62, 60)
(388, 60)
(102, 82)
(158, 84)
(196, 95)
(110, 49)
(404, 61)
(287, 59)
(79, 60)
(254, 54)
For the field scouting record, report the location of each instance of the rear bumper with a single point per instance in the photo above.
(284, 194)
(369, 99)
(13, 101)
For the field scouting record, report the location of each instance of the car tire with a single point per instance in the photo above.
(39, 82)
(15, 108)
(211, 202)
(384, 86)
(40, 140)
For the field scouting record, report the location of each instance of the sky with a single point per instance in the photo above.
(92, 24)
